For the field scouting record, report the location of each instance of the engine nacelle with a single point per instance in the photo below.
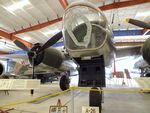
(146, 50)
(50, 56)
(53, 57)
(1, 69)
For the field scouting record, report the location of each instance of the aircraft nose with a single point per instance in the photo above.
(84, 27)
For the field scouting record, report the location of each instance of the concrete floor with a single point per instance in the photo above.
(113, 102)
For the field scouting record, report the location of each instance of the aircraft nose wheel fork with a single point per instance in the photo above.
(95, 98)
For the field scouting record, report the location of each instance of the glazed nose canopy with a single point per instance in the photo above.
(96, 38)
(1, 69)
(84, 27)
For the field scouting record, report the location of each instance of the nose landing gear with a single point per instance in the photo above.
(95, 98)
(92, 74)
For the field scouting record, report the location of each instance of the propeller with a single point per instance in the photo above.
(21, 45)
(37, 49)
(51, 41)
(35, 53)
(138, 23)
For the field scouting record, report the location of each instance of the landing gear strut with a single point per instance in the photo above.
(92, 74)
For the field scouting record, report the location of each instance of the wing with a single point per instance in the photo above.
(128, 51)
(141, 63)
(14, 57)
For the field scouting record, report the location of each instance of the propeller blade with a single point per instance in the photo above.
(138, 23)
(51, 41)
(21, 45)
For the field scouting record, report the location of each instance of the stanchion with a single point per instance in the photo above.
(72, 101)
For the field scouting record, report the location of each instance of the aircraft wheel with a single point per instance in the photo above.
(147, 75)
(64, 82)
(95, 99)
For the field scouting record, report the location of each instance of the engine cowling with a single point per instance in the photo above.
(1, 69)
(146, 51)
(50, 56)
(53, 57)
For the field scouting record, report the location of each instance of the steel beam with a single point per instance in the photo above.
(12, 37)
(64, 3)
(129, 43)
(126, 43)
(145, 31)
(3, 53)
(123, 4)
(38, 26)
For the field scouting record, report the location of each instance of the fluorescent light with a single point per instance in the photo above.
(18, 5)
(143, 14)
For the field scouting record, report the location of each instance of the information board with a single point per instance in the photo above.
(19, 84)
(87, 109)
(59, 108)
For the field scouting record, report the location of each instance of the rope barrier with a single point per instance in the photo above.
(74, 88)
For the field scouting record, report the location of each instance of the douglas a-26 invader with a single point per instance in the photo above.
(88, 39)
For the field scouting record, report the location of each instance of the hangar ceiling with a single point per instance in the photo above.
(20, 15)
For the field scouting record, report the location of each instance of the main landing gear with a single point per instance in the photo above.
(64, 82)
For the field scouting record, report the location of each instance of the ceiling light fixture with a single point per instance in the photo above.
(143, 14)
(18, 5)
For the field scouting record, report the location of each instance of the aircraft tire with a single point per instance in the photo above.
(64, 82)
(95, 99)
(147, 75)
